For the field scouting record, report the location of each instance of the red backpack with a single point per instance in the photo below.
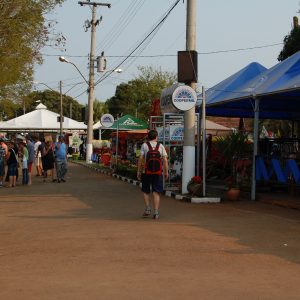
(153, 160)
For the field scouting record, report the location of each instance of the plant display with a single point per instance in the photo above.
(234, 151)
(126, 169)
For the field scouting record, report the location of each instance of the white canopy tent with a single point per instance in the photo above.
(41, 119)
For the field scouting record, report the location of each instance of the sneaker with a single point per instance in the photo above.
(156, 216)
(63, 180)
(146, 213)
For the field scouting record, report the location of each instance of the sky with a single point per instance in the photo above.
(254, 31)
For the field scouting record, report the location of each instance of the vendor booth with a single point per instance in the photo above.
(273, 94)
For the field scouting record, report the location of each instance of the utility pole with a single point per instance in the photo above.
(189, 116)
(61, 109)
(93, 24)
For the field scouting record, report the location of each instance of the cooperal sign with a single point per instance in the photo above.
(184, 98)
(107, 120)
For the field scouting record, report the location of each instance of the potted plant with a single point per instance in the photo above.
(232, 149)
(194, 186)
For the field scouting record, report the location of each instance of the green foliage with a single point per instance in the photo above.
(23, 33)
(100, 108)
(291, 44)
(233, 149)
(51, 99)
(233, 146)
(135, 97)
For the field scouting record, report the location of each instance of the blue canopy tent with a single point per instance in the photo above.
(278, 89)
(273, 94)
(228, 86)
(221, 91)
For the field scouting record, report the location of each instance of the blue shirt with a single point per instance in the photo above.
(60, 151)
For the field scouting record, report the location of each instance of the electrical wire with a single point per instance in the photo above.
(172, 55)
(153, 31)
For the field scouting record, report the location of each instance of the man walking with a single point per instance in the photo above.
(152, 166)
(61, 159)
(31, 157)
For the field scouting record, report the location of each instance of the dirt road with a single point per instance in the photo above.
(84, 239)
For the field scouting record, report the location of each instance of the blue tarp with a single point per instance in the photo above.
(278, 89)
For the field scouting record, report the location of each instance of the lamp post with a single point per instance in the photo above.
(91, 87)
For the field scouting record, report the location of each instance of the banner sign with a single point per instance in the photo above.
(161, 133)
(176, 133)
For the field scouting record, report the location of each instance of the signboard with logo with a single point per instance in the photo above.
(161, 133)
(176, 133)
(184, 98)
(177, 97)
(107, 120)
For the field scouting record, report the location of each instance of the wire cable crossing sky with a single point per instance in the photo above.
(226, 40)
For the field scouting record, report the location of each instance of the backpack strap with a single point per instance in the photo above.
(157, 146)
(149, 146)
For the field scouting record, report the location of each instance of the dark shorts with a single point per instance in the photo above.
(12, 169)
(152, 181)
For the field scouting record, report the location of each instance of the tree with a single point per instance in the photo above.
(100, 108)
(291, 44)
(51, 100)
(23, 32)
(135, 97)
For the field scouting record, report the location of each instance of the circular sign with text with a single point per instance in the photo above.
(184, 98)
(107, 120)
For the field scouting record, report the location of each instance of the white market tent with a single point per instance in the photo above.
(41, 119)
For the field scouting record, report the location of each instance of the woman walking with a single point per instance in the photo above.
(48, 160)
(12, 165)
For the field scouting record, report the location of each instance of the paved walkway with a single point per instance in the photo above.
(84, 239)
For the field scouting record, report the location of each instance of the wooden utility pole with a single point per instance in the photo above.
(93, 24)
(61, 109)
(189, 116)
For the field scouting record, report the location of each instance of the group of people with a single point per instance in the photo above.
(24, 153)
(46, 155)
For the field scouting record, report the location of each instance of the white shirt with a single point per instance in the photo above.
(161, 149)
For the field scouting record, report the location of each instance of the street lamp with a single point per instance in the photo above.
(91, 87)
(63, 59)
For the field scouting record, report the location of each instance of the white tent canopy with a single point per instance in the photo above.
(41, 119)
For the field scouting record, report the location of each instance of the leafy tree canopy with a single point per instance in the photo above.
(51, 99)
(135, 97)
(291, 44)
(24, 30)
(100, 108)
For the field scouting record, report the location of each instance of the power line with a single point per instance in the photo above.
(172, 55)
(153, 31)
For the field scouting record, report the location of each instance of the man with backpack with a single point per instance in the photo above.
(152, 166)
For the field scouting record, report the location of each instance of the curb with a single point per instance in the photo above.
(182, 198)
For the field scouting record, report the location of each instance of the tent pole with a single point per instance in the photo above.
(203, 142)
(255, 147)
(117, 144)
(198, 143)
